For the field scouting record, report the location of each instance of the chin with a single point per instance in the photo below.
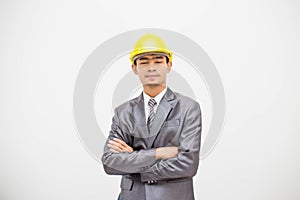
(152, 84)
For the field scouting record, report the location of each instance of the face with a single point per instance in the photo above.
(152, 69)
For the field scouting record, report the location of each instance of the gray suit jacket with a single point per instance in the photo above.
(177, 122)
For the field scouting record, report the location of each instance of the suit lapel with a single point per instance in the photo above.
(139, 111)
(161, 114)
(140, 126)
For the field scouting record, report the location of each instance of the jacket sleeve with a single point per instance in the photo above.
(125, 163)
(187, 161)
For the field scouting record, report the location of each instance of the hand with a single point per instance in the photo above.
(166, 152)
(117, 146)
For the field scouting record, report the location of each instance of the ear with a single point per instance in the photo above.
(169, 66)
(133, 67)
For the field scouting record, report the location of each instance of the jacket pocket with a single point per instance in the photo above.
(175, 122)
(126, 183)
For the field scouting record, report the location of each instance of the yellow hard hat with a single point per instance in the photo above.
(149, 43)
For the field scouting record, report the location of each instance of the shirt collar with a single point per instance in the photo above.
(157, 98)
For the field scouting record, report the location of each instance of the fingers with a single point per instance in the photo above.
(123, 144)
(114, 148)
(114, 151)
(120, 141)
(118, 146)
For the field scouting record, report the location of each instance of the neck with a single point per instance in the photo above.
(153, 90)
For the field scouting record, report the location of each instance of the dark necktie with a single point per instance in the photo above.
(151, 104)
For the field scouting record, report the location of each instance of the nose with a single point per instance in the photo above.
(151, 69)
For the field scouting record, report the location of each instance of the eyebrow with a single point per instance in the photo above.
(155, 57)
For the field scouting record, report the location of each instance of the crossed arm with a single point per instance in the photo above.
(156, 164)
(119, 158)
(118, 146)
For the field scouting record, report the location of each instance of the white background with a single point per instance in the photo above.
(254, 45)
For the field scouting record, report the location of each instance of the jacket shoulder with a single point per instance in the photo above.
(185, 99)
(126, 105)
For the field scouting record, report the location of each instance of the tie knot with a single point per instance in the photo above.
(151, 103)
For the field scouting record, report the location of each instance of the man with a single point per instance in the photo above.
(154, 142)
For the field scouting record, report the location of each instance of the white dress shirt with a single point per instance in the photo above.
(157, 98)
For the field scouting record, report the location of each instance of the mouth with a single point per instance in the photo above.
(151, 76)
